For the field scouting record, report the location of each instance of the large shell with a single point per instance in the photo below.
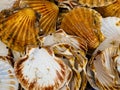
(19, 30)
(41, 70)
(96, 3)
(48, 11)
(104, 69)
(84, 23)
(111, 31)
(110, 10)
(8, 81)
(61, 37)
(76, 61)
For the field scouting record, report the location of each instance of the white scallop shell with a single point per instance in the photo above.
(8, 80)
(40, 70)
(111, 30)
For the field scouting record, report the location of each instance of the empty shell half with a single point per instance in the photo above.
(41, 70)
(104, 69)
(111, 30)
(8, 80)
(76, 61)
(85, 23)
(110, 10)
(96, 3)
(48, 11)
(61, 37)
(19, 29)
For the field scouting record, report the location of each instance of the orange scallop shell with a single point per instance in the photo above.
(85, 23)
(49, 12)
(19, 29)
(96, 3)
(110, 10)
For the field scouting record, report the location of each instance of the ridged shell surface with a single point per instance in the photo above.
(39, 70)
(85, 23)
(96, 3)
(19, 29)
(8, 80)
(48, 11)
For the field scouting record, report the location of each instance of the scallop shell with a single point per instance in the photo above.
(8, 79)
(61, 37)
(103, 69)
(111, 30)
(6, 4)
(96, 3)
(41, 70)
(19, 30)
(76, 23)
(110, 10)
(48, 11)
(76, 61)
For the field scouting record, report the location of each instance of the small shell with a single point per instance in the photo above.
(76, 23)
(6, 4)
(103, 69)
(61, 37)
(41, 70)
(96, 3)
(111, 30)
(8, 80)
(110, 10)
(19, 30)
(48, 11)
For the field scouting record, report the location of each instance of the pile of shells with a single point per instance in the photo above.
(60, 45)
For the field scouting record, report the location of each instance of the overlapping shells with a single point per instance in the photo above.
(84, 48)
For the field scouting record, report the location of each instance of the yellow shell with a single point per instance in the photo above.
(19, 30)
(110, 10)
(49, 12)
(96, 3)
(84, 23)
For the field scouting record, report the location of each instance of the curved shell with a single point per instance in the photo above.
(104, 69)
(6, 4)
(61, 37)
(96, 3)
(76, 23)
(8, 81)
(76, 61)
(19, 30)
(41, 70)
(48, 11)
(111, 30)
(110, 10)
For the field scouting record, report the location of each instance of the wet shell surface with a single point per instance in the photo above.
(8, 80)
(6, 4)
(110, 10)
(41, 70)
(48, 11)
(96, 3)
(111, 30)
(104, 69)
(76, 23)
(19, 29)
